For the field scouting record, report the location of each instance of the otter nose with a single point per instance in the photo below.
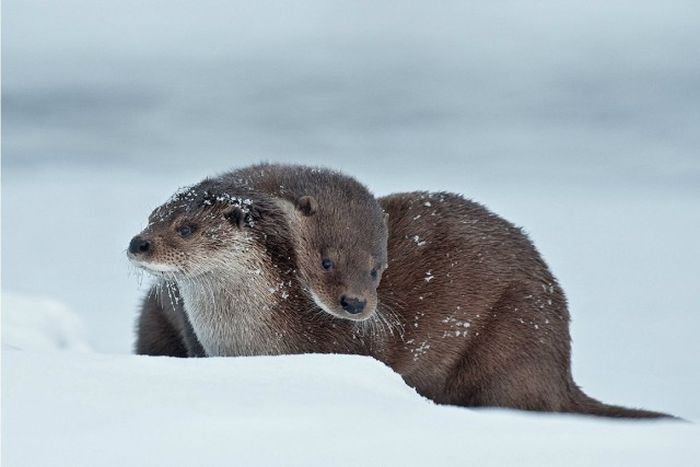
(139, 246)
(352, 305)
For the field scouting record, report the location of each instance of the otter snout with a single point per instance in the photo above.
(352, 305)
(139, 246)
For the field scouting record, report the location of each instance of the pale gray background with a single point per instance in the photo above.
(573, 90)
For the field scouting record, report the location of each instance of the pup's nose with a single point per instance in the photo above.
(139, 246)
(352, 305)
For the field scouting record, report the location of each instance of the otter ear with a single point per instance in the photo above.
(235, 215)
(307, 205)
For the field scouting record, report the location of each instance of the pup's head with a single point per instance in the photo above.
(193, 233)
(342, 254)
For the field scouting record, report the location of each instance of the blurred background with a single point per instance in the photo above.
(578, 120)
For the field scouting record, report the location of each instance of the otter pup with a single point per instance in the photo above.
(469, 314)
(340, 233)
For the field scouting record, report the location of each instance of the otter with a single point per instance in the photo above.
(340, 233)
(468, 312)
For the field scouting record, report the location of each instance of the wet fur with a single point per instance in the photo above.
(469, 314)
(335, 217)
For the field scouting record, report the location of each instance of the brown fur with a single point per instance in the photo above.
(469, 313)
(335, 218)
(163, 326)
(234, 278)
(491, 327)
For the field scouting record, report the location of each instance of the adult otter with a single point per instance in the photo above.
(469, 314)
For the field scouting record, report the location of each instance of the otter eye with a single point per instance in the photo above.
(327, 264)
(374, 273)
(186, 230)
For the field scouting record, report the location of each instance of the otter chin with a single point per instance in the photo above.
(151, 267)
(353, 308)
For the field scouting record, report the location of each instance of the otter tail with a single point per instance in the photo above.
(586, 405)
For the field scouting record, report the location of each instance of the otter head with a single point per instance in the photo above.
(341, 255)
(194, 233)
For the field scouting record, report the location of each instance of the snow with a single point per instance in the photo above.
(70, 409)
(418, 241)
(577, 120)
(31, 323)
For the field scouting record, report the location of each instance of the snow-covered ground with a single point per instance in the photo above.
(31, 323)
(90, 409)
(577, 120)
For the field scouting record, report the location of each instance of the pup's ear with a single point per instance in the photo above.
(235, 215)
(307, 205)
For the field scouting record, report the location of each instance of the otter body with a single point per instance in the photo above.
(485, 322)
(164, 327)
(469, 314)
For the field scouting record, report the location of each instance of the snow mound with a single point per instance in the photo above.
(40, 324)
(87, 409)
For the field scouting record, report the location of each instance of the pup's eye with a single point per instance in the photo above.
(186, 230)
(327, 264)
(374, 273)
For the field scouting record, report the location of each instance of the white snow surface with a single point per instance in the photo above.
(70, 409)
(30, 323)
